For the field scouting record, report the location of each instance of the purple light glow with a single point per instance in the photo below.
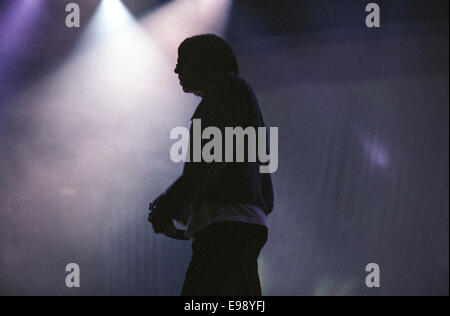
(16, 27)
(16, 31)
(373, 148)
(376, 154)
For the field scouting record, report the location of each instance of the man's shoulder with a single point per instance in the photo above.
(227, 79)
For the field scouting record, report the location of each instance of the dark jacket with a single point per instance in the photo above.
(228, 102)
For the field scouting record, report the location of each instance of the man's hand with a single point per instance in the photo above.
(159, 216)
(161, 222)
(162, 219)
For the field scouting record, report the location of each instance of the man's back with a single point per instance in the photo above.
(237, 182)
(228, 102)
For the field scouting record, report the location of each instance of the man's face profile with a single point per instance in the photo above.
(186, 74)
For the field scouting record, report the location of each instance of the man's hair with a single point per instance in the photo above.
(208, 53)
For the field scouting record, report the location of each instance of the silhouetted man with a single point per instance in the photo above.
(223, 204)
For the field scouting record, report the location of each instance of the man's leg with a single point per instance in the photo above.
(224, 260)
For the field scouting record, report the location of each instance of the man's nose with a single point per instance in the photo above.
(176, 69)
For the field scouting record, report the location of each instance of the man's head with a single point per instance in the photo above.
(199, 57)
